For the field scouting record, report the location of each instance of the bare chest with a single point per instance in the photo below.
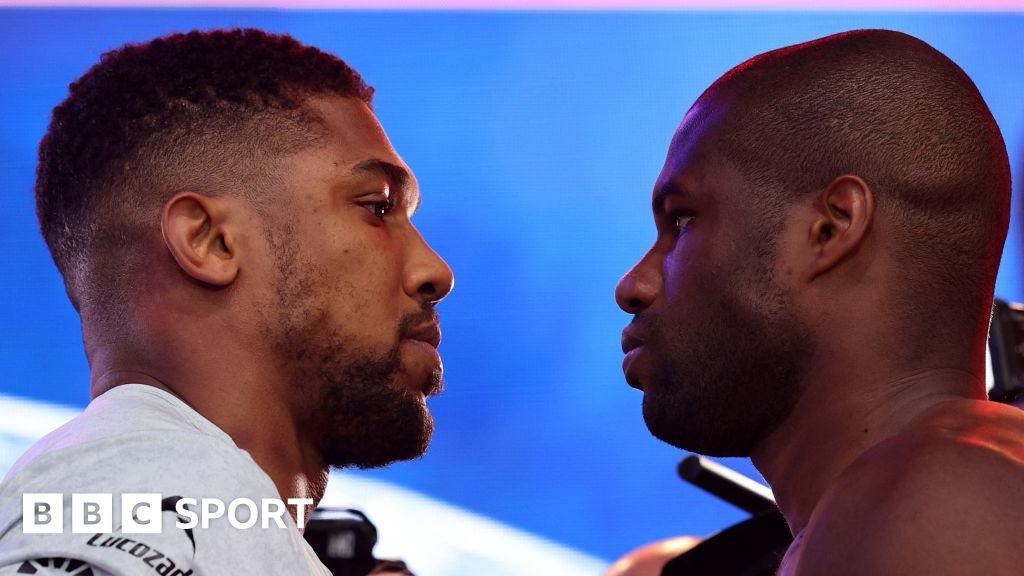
(792, 558)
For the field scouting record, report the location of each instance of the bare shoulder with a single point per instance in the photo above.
(945, 497)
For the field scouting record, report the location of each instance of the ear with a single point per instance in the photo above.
(195, 232)
(843, 213)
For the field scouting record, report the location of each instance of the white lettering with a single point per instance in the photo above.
(142, 513)
(233, 513)
(211, 508)
(181, 507)
(300, 509)
(277, 515)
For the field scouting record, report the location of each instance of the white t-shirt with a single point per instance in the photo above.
(140, 439)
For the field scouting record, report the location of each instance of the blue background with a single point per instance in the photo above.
(536, 138)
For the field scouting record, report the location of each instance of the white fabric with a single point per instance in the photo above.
(139, 439)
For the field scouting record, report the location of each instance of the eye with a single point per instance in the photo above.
(683, 223)
(380, 209)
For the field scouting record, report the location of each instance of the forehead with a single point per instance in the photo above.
(690, 159)
(697, 167)
(353, 133)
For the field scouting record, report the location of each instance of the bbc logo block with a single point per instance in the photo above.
(43, 513)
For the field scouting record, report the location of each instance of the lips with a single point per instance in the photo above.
(632, 346)
(423, 341)
(630, 341)
(629, 368)
(428, 333)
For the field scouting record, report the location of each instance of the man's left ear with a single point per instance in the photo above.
(843, 213)
(197, 232)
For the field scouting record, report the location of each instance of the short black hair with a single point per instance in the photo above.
(201, 110)
(895, 111)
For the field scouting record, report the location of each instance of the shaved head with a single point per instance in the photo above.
(891, 109)
(738, 302)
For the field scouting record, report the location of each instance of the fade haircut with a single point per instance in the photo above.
(891, 109)
(208, 112)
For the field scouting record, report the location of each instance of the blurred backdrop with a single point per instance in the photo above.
(536, 137)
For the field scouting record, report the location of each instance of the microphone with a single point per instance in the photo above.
(727, 484)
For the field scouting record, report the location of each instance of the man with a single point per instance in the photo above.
(233, 227)
(830, 220)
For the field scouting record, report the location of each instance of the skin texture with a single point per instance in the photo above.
(304, 328)
(721, 359)
(648, 560)
(882, 463)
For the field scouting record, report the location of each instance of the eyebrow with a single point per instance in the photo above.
(398, 175)
(662, 192)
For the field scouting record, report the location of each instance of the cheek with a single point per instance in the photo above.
(682, 271)
(354, 247)
(697, 277)
(367, 270)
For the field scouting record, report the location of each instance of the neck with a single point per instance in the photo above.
(246, 404)
(846, 409)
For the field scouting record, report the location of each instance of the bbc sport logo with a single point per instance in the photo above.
(141, 513)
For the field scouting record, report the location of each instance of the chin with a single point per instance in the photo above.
(412, 449)
(681, 423)
(422, 381)
(381, 434)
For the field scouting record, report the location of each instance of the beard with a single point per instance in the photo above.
(363, 416)
(726, 374)
(348, 400)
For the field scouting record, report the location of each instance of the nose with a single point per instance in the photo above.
(639, 288)
(428, 277)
